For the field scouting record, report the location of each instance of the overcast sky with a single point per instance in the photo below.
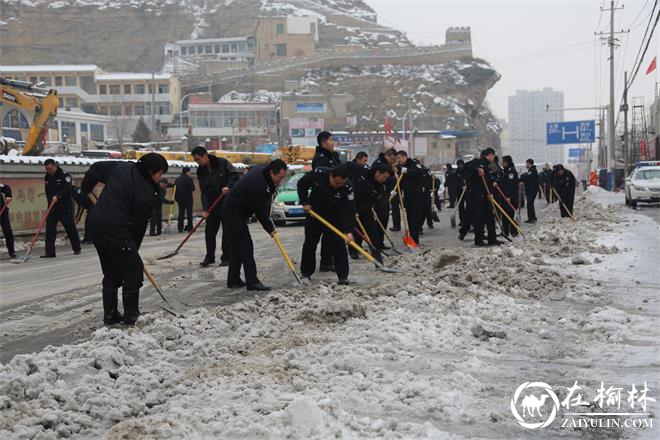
(535, 44)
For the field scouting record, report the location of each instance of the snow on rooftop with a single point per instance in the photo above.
(131, 76)
(49, 68)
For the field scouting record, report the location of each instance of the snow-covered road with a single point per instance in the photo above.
(437, 352)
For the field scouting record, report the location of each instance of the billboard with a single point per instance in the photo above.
(303, 131)
(571, 132)
(310, 107)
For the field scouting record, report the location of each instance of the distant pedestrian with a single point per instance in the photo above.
(59, 190)
(5, 200)
(156, 222)
(185, 186)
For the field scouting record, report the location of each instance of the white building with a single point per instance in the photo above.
(529, 112)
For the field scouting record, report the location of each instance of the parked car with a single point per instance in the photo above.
(643, 185)
(286, 207)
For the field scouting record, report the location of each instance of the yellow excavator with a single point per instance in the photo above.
(32, 98)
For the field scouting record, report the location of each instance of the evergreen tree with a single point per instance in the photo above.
(142, 132)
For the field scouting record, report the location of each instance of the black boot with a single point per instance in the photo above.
(131, 300)
(110, 313)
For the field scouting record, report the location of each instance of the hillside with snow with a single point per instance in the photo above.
(130, 34)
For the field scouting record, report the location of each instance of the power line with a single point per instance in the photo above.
(638, 61)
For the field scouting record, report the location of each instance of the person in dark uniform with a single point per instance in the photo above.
(325, 158)
(463, 217)
(413, 192)
(564, 184)
(508, 184)
(427, 183)
(5, 199)
(382, 206)
(185, 186)
(251, 195)
(216, 176)
(545, 180)
(59, 188)
(117, 225)
(450, 184)
(531, 181)
(156, 221)
(479, 201)
(361, 158)
(330, 195)
(368, 187)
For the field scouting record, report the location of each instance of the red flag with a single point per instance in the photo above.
(652, 66)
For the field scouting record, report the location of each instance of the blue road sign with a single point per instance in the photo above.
(572, 132)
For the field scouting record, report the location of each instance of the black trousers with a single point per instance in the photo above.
(120, 268)
(185, 211)
(313, 232)
(382, 209)
(414, 204)
(7, 231)
(212, 227)
(481, 214)
(326, 249)
(452, 196)
(241, 252)
(64, 216)
(367, 219)
(428, 209)
(156, 221)
(531, 197)
(507, 227)
(396, 213)
(568, 197)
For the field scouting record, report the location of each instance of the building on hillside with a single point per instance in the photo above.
(212, 54)
(304, 116)
(286, 37)
(123, 97)
(529, 112)
(237, 126)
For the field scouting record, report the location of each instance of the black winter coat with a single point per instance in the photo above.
(335, 205)
(185, 186)
(60, 184)
(475, 183)
(564, 185)
(252, 195)
(212, 179)
(508, 183)
(531, 181)
(365, 188)
(6, 192)
(119, 218)
(412, 184)
(325, 159)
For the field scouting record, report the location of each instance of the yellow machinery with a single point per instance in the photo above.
(42, 102)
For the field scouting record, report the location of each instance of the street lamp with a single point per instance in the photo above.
(181, 112)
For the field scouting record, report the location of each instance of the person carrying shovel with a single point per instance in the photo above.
(117, 225)
(563, 184)
(479, 199)
(330, 195)
(369, 187)
(507, 187)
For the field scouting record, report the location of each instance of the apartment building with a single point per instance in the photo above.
(286, 37)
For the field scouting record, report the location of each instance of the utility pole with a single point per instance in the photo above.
(624, 108)
(411, 139)
(612, 42)
(153, 109)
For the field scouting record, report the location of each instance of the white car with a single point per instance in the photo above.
(643, 185)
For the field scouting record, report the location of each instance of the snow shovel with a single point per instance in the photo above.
(520, 196)
(562, 204)
(378, 265)
(362, 232)
(452, 219)
(36, 236)
(497, 205)
(407, 239)
(173, 307)
(192, 231)
(380, 224)
(289, 263)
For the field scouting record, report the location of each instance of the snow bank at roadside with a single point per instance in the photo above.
(413, 356)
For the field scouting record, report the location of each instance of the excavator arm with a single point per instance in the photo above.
(42, 102)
